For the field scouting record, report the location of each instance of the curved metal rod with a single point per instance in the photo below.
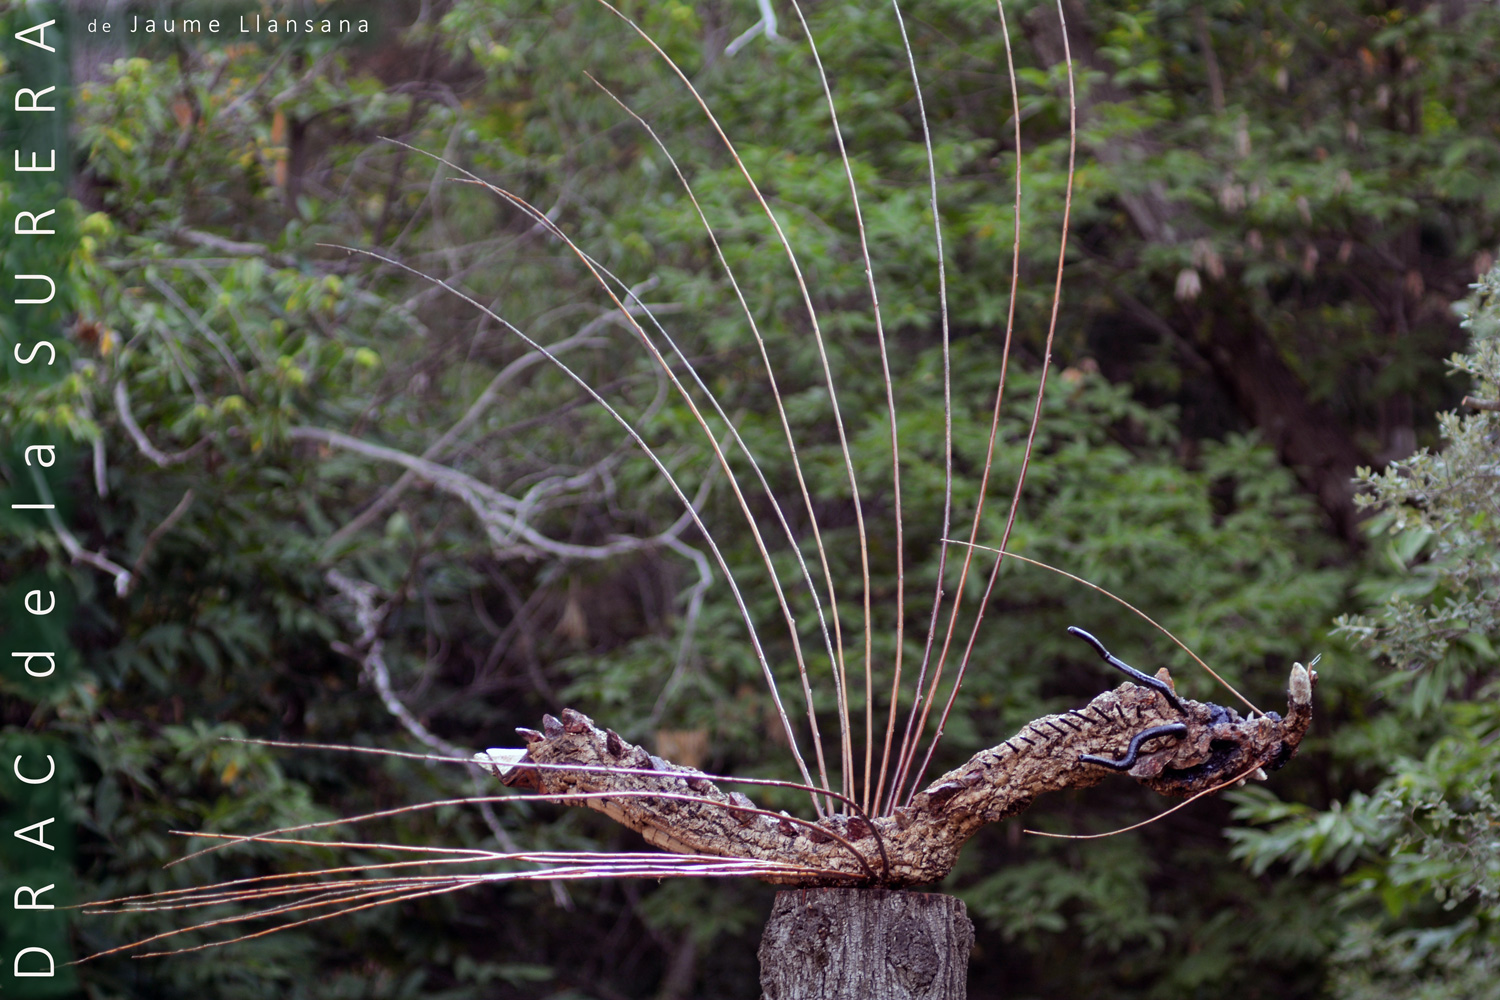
(1126, 762)
(1154, 683)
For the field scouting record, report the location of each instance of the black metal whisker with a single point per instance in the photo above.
(1151, 682)
(1126, 762)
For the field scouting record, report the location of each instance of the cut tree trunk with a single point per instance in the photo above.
(858, 944)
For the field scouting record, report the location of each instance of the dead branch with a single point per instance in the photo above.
(585, 337)
(503, 517)
(369, 652)
(161, 529)
(142, 442)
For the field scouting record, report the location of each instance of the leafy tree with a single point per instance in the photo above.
(260, 370)
(1283, 201)
(1419, 849)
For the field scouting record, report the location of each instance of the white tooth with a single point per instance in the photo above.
(1300, 686)
(499, 761)
(1260, 774)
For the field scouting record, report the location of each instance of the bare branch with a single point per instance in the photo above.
(765, 26)
(71, 545)
(222, 245)
(502, 516)
(161, 529)
(101, 472)
(142, 442)
(370, 653)
(585, 337)
(635, 436)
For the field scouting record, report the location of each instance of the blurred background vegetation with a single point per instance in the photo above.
(1277, 206)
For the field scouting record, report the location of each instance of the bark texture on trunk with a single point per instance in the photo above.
(860, 944)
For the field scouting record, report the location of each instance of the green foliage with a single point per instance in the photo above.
(215, 178)
(1419, 851)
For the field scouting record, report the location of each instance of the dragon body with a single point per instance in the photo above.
(1172, 745)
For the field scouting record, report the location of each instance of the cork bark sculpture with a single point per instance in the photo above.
(1172, 745)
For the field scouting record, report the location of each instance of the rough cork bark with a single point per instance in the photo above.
(1172, 745)
(859, 944)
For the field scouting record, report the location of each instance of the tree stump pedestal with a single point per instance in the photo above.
(863, 944)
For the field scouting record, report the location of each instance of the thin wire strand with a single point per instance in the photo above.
(890, 405)
(1146, 822)
(914, 730)
(660, 467)
(734, 485)
(1036, 413)
(801, 285)
(937, 236)
(528, 857)
(1119, 600)
(269, 912)
(663, 866)
(728, 779)
(600, 274)
(796, 549)
(564, 797)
